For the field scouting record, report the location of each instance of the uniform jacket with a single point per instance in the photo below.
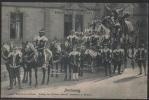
(140, 54)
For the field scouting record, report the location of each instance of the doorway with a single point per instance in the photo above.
(67, 24)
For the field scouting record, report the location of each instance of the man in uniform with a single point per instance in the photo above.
(74, 64)
(99, 57)
(141, 58)
(107, 60)
(82, 61)
(40, 43)
(117, 59)
(66, 65)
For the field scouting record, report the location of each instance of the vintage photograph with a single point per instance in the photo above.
(74, 50)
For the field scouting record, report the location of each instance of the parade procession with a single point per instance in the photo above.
(107, 45)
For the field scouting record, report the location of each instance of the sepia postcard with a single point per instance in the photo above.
(82, 50)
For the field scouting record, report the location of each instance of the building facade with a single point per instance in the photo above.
(23, 21)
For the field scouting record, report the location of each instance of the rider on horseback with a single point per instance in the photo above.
(40, 42)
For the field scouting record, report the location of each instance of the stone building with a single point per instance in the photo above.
(22, 21)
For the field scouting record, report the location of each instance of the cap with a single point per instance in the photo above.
(42, 31)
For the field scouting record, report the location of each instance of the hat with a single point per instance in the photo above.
(42, 31)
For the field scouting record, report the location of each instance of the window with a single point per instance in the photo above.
(16, 25)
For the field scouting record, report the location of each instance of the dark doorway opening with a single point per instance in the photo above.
(67, 24)
(79, 23)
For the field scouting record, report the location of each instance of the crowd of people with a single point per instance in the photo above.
(79, 51)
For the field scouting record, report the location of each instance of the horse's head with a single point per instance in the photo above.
(29, 47)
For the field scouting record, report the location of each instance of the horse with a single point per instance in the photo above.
(31, 59)
(29, 62)
(23, 50)
(14, 61)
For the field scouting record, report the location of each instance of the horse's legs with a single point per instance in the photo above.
(43, 78)
(48, 74)
(24, 76)
(62, 66)
(56, 69)
(70, 72)
(65, 70)
(15, 81)
(11, 78)
(30, 76)
(52, 70)
(36, 77)
(18, 78)
(9, 73)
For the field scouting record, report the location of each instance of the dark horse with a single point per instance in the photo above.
(32, 61)
(29, 62)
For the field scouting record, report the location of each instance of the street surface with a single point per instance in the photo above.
(128, 85)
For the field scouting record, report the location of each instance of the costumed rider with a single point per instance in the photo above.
(40, 42)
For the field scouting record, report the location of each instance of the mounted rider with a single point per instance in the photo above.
(40, 42)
